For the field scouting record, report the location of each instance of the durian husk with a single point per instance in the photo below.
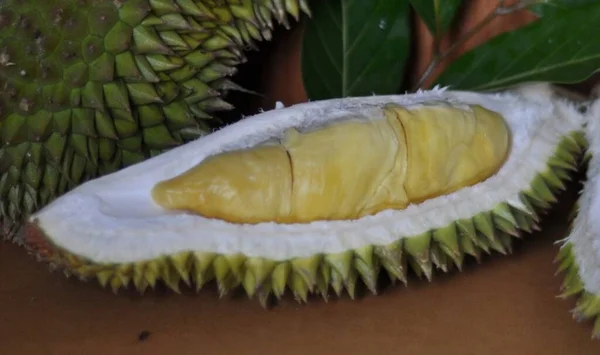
(87, 88)
(444, 249)
(587, 305)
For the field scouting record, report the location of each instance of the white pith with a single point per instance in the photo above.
(113, 218)
(585, 234)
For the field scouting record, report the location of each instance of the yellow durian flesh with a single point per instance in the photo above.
(238, 186)
(346, 170)
(338, 170)
(450, 148)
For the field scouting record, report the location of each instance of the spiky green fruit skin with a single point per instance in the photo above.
(90, 86)
(438, 249)
(588, 304)
(587, 307)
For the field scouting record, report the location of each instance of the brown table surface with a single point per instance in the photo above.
(505, 305)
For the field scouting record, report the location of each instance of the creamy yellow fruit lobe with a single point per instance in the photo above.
(347, 169)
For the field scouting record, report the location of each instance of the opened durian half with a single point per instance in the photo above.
(321, 195)
(579, 255)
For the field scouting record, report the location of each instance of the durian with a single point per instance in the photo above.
(88, 87)
(579, 255)
(484, 167)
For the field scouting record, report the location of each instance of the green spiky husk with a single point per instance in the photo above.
(443, 249)
(91, 86)
(588, 304)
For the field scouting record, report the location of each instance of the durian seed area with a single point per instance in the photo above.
(348, 169)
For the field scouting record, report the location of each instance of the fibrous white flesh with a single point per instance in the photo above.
(114, 220)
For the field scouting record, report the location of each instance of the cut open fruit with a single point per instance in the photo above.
(579, 256)
(113, 229)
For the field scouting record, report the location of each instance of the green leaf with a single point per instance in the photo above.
(546, 7)
(355, 48)
(436, 14)
(561, 47)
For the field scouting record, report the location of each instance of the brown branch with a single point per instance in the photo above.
(438, 57)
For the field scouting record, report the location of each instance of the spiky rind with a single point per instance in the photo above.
(89, 87)
(588, 304)
(438, 249)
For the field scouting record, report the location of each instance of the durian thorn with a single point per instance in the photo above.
(351, 283)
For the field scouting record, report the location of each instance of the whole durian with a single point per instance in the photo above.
(90, 86)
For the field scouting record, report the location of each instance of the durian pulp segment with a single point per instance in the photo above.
(345, 170)
(245, 185)
(450, 148)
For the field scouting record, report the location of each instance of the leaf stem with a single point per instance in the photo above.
(500, 10)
